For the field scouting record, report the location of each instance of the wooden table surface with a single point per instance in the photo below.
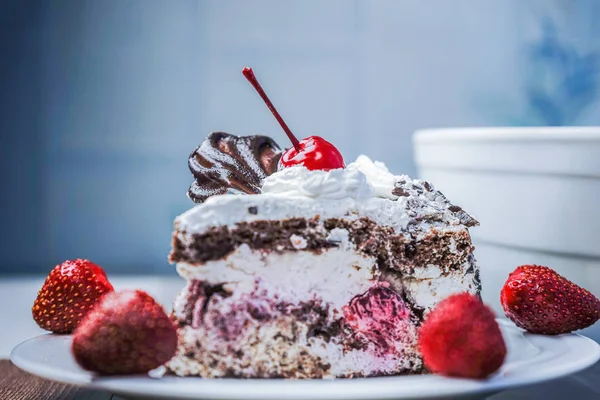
(17, 295)
(18, 385)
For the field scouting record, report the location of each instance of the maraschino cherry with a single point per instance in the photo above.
(312, 152)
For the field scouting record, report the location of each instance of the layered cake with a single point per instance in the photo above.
(299, 266)
(318, 274)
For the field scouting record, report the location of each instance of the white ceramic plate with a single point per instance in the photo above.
(531, 359)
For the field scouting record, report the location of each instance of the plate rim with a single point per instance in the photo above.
(329, 389)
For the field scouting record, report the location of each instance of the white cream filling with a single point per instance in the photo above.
(335, 275)
(427, 287)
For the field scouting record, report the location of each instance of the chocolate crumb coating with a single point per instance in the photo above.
(225, 163)
(421, 195)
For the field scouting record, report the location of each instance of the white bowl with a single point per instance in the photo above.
(535, 191)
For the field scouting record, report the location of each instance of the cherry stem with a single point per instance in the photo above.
(249, 74)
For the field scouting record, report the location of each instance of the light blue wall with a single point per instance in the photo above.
(104, 100)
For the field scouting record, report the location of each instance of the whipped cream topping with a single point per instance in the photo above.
(379, 177)
(363, 189)
(230, 210)
(334, 184)
(360, 180)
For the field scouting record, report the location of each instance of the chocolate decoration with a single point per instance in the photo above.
(225, 163)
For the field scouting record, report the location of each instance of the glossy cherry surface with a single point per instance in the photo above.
(314, 153)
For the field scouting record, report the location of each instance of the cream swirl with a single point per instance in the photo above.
(378, 176)
(362, 179)
(334, 184)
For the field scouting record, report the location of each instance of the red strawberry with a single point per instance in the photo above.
(68, 294)
(461, 338)
(539, 300)
(126, 333)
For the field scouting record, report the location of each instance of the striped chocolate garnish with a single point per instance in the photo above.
(225, 163)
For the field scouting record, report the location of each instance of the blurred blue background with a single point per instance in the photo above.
(101, 102)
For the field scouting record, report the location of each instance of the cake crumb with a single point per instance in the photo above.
(298, 242)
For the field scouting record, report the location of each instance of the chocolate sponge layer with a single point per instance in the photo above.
(448, 249)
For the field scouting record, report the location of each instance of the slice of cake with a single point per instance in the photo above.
(315, 273)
